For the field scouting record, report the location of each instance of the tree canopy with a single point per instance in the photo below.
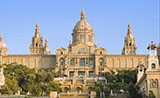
(120, 80)
(19, 77)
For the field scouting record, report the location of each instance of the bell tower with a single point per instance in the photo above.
(36, 48)
(153, 63)
(129, 43)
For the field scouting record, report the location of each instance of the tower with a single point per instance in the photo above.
(129, 43)
(3, 47)
(36, 47)
(46, 48)
(153, 63)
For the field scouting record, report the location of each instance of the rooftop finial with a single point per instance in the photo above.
(129, 30)
(37, 31)
(82, 14)
(129, 26)
(37, 26)
(46, 40)
(1, 38)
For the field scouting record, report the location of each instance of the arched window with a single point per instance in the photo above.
(61, 61)
(36, 44)
(66, 89)
(79, 90)
(154, 83)
(153, 66)
(101, 61)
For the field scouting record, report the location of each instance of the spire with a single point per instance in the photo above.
(82, 14)
(37, 31)
(46, 43)
(46, 48)
(129, 43)
(129, 33)
(1, 38)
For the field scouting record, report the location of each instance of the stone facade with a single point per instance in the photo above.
(149, 80)
(80, 65)
(81, 49)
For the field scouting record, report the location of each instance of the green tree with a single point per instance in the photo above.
(98, 89)
(133, 91)
(12, 85)
(50, 77)
(151, 94)
(19, 76)
(40, 76)
(110, 76)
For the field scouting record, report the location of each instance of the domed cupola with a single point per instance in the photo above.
(82, 25)
(83, 32)
(3, 47)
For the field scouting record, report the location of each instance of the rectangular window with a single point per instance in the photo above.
(101, 69)
(91, 74)
(74, 38)
(90, 38)
(91, 63)
(72, 62)
(82, 37)
(82, 62)
(81, 73)
(71, 73)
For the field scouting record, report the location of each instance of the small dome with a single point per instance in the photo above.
(2, 44)
(83, 25)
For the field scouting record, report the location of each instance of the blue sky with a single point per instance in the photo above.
(57, 18)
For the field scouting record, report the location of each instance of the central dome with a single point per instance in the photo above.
(82, 25)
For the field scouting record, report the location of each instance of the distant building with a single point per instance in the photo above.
(79, 65)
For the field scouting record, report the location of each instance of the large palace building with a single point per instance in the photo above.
(83, 58)
(81, 53)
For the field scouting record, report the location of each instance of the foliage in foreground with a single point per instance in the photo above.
(19, 77)
(124, 79)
